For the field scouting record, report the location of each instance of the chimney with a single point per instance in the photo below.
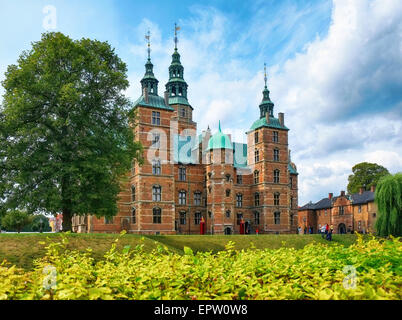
(281, 117)
(145, 94)
(267, 117)
(372, 189)
(361, 190)
(330, 195)
(166, 98)
(342, 193)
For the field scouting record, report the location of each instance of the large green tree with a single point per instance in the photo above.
(66, 137)
(365, 175)
(388, 197)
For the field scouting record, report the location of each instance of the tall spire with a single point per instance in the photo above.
(266, 103)
(177, 86)
(220, 130)
(149, 81)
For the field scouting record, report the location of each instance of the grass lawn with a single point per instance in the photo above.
(22, 249)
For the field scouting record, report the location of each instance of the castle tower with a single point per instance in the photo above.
(268, 156)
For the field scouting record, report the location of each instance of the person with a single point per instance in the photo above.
(323, 232)
(300, 230)
(305, 230)
(329, 236)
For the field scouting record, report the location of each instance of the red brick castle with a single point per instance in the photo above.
(188, 178)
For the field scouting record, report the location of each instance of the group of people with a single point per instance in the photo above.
(325, 231)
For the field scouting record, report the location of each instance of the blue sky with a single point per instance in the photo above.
(335, 68)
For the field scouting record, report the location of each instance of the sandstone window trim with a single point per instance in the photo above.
(256, 177)
(182, 197)
(156, 118)
(156, 193)
(277, 196)
(239, 200)
(156, 167)
(182, 173)
(276, 155)
(277, 176)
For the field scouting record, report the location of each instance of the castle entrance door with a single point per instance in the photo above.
(342, 228)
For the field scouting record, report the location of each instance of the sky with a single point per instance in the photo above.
(334, 68)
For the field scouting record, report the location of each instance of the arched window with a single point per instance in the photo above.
(256, 177)
(133, 216)
(132, 193)
(276, 198)
(276, 176)
(239, 200)
(276, 154)
(157, 193)
(256, 199)
(256, 156)
(156, 167)
(277, 217)
(157, 215)
(182, 197)
(256, 218)
(227, 192)
(227, 213)
(227, 176)
(183, 217)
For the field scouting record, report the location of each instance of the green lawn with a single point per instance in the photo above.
(22, 249)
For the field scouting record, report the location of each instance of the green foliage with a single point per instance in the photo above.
(365, 175)
(40, 223)
(66, 137)
(315, 272)
(16, 220)
(388, 197)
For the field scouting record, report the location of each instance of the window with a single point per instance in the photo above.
(291, 202)
(256, 218)
(239, 179)
(374, 215)
(325, 212)
(156, 118)
(360, 209)
(276, 198)
(227, 213)
(108, 220)
(256, 156)
(132, 193)
(277, 217)
(256, 177)
(182, 197)
(275, 136)
(228, 193)
(197, 218)
(156, 167)
(227, 177)
(276, 155)
(291, 219)
(182, 217)
(156, 193)
(239, 200)
(157, 216)
(291, 182)
(183, 113)
(256, 137)
(276, 176)
(156, 137)
(359, 225)
(197, 198)
(256, 199)
(133, 217)
(239, 218)
(341, 211)
(182, 174)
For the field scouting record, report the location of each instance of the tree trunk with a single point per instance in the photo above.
(67, 220)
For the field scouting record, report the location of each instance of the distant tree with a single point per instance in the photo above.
(388, 197)
(66, 129)
(365, 175)
(16, 220)
(39, 223)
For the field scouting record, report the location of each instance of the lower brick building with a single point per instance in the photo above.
(346, 213)
(188, 179)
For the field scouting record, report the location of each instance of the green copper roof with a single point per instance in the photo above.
(179, 100)
(273, 123)
(220, 141)
(291, 169)
(153, 102)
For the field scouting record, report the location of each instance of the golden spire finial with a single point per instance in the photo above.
(176, 40)
(265, 74)
(148, 37)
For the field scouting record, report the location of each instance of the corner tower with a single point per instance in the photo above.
(274, 176)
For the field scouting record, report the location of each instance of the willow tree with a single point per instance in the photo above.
(388, 197)
(65, 132)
